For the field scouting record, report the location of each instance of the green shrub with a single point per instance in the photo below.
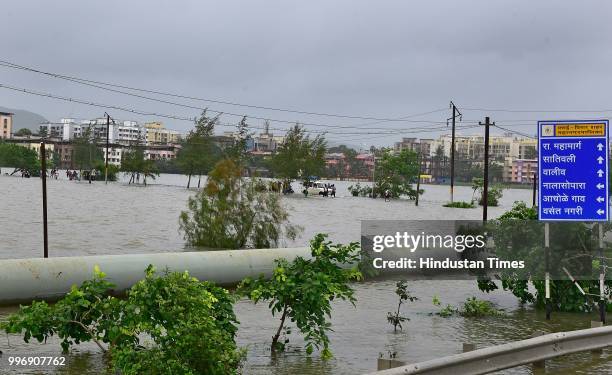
(302, 291)
(190, 325)
(460, 205)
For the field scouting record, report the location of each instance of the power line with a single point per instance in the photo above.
(192, 119)
(514, 132)
(536, 110)
(96, 84)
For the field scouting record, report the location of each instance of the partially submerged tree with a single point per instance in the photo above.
(199, 153)
(135, 164)
(86, 152)
(235, 213)
(397, 172)
(19, 158)
(299, 156)
(301, 291)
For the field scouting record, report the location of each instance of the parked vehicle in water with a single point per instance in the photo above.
(317, 188)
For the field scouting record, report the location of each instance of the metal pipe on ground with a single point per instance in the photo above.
(25, 280)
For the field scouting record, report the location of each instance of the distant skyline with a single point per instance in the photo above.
(383, 59)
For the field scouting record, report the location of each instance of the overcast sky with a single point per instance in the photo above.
(384, 59)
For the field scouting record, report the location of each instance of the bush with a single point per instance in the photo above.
(191, 325)
(459, 205)
(494, 193)
(302, 291)
(472, 308)
(235, 213)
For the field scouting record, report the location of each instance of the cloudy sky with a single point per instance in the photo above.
(372, 59)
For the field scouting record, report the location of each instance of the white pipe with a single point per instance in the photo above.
(24, 280)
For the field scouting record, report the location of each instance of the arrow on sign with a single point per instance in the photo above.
(600, 173)
(600, 212)
(601, 186)
(600, 146)
(600, 160)
(600, 199)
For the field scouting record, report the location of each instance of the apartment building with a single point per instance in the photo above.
(519, 170)
(6, 125)
(156, 134)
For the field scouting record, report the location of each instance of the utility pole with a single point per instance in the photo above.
(106, 158)
(602, 276)
(373, 172)
(452, 176)
(535, 189)
(420, 160)
(43, 176)
(485, 192)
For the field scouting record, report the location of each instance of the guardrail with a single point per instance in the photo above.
(23, 280)
(513, 354)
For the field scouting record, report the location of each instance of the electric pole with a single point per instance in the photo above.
(418, 187)
(485, 192)
(43, 176)
(456, 114)
(106, 158)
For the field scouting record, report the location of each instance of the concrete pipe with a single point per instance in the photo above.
(24, 280)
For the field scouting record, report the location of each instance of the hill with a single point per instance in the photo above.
(24, 119)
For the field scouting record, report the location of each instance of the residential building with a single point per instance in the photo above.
(157, 134)
(6, 125)
(265, 141)
(519, 170)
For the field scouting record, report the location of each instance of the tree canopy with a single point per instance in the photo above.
(299, 156)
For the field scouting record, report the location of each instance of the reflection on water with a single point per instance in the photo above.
(92, 219)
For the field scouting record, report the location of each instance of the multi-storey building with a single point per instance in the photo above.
(6, 125)
(519, 170)
(157, 134)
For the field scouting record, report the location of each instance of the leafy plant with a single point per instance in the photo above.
(191, 325)
(301, 291)
(235, 213)
(404, 295)
(473, 307)
(494, 194)
(445, 311)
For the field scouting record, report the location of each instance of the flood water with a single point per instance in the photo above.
(88, 219)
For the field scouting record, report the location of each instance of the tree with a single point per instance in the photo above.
(299, 156)
(86, 152)
(198, 153)
(397, 172)
(302, 291)
(190, 326)
(135, 164)
(19, 158)
(238, 150)
(23, 132)
(235, 213)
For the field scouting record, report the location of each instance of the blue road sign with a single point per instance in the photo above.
(573, 170)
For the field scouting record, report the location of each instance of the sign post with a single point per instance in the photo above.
(573, 179)
(573, 170)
